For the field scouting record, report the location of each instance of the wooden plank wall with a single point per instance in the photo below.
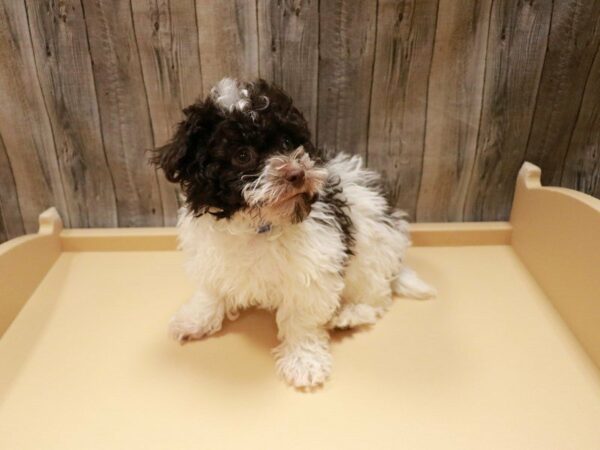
(445, 98)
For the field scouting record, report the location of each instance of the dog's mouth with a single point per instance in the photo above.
(291, 207)
(295, 209)
(304, 196)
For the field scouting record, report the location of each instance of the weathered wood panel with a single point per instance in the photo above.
(398, 107)
(228, 35)
(346, 50)
(574, 38)
(11, 220)
(167, 39)
(515, 56)
(288, 33)
(124, 114)
(454, 108)
(581, 169)
(445, 98)
(64, 69)
(24, 123)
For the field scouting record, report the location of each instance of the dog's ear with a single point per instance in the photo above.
(187, 149)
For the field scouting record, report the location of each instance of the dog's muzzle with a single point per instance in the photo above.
(287, 187)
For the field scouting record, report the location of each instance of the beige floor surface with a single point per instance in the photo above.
(486, 365)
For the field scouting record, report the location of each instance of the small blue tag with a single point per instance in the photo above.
(264, 228)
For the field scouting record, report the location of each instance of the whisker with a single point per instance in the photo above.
(249, 176)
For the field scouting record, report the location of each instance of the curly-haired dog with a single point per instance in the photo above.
(270, 222)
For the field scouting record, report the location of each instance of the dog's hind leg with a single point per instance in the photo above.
(408, 284)
(356, 314)
(366, 297)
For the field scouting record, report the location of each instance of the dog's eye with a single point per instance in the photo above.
(244, 156)
(286, 143)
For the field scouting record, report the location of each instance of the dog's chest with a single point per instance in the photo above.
(258, 254)
(255, 266)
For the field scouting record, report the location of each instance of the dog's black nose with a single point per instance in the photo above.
(295, 176)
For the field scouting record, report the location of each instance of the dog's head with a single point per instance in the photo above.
(244, 147)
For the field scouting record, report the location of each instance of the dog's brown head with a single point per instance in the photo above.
(244, 147)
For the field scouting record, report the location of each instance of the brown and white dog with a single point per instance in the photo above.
(270, 222)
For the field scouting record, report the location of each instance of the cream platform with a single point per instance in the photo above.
(506, 357)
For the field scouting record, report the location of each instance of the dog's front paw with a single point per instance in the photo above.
(192, 322)
(303, 366)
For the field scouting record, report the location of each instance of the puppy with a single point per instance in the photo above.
(269, 221)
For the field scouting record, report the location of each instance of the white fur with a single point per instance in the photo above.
(298, 271)
(230, 94)
(408, 284)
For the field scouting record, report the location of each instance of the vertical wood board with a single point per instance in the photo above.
(399, 100)
(124, 111)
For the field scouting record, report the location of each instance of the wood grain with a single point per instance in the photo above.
(124, 114)
(346, 51)
(288, 33)
(515, 56)
(581, 169)
(64, 69)
(11, 221)
(228, 38)
(167, 39)
(574, 38)
(444, 98)
(24, 123)
(405, 37)
(454, 108)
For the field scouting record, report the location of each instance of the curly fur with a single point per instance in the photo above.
(199, 157)
(285, 229)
